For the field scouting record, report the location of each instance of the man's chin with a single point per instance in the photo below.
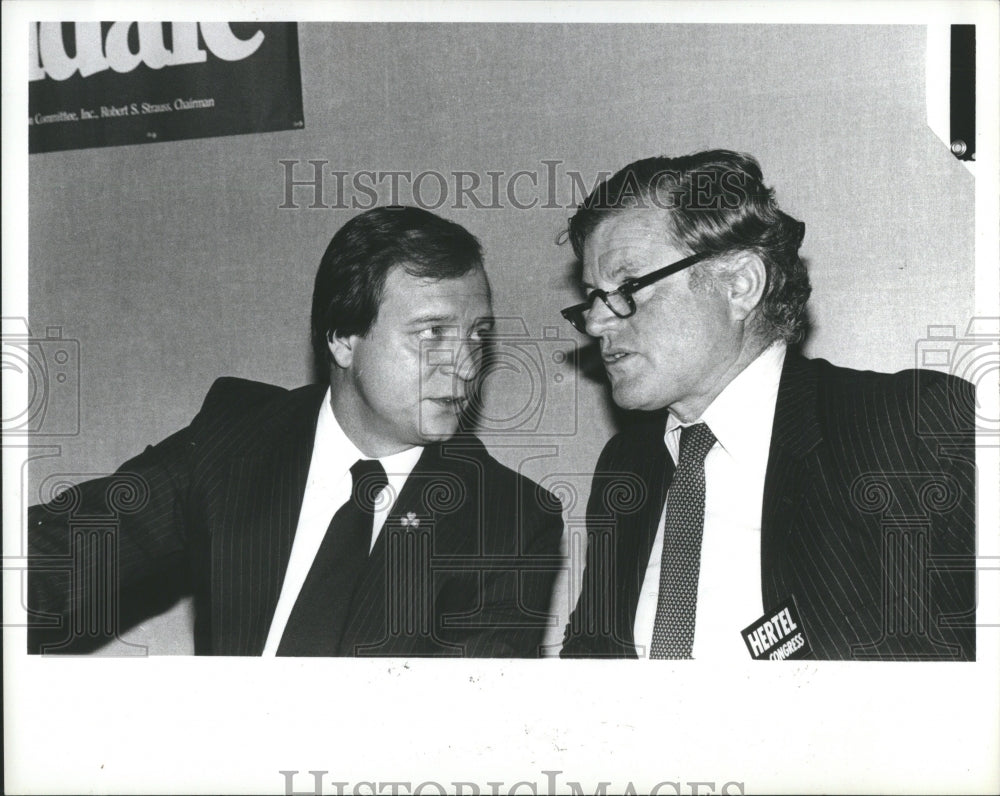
(632, 400)
(624, 397)
(437, 432)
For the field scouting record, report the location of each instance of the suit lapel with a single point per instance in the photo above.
(432, 516)
(655, 470)
(250, 554)
(626, 500)
(794, 436)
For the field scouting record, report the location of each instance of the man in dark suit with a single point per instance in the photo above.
(765, 504)
(341, 519)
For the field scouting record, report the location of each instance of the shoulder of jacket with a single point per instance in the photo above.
(234, 403)
(639, 436)
(496, 476)
(924, 402)
(230, 391)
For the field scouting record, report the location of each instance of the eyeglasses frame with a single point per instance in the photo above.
(627, 288)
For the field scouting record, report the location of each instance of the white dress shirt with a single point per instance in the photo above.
(328, 487)
(729, 588)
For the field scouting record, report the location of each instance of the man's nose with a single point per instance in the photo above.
(464, 359)
(597, 319)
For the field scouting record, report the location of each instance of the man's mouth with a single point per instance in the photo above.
(450, 402)
(614, 356)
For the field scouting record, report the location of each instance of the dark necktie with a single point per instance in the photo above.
(673, 629)
(323, 607)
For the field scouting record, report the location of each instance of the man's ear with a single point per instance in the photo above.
(746, 284)
(341, 348)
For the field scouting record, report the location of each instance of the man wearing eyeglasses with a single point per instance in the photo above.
(767, 505)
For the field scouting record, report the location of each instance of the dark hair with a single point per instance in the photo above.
(714, 202)
(351, 276)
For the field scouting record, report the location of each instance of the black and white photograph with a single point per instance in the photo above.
(498, 398)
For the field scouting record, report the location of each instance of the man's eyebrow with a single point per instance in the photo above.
(449, 320)
(434, 318)
(623, 269)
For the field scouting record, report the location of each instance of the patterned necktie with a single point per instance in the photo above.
(321, 612)
(673, 629)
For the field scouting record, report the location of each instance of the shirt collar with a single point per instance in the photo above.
(741, 415)
(339, 453)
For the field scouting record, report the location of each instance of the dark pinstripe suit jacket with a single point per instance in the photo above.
(868, 517)
(464, 565)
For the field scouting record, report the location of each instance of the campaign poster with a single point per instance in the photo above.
(97, 84)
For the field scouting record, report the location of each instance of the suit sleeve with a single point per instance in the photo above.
(95, 542)
(945, 417)
(111, 551)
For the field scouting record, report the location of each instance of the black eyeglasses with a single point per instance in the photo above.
(620, 301)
